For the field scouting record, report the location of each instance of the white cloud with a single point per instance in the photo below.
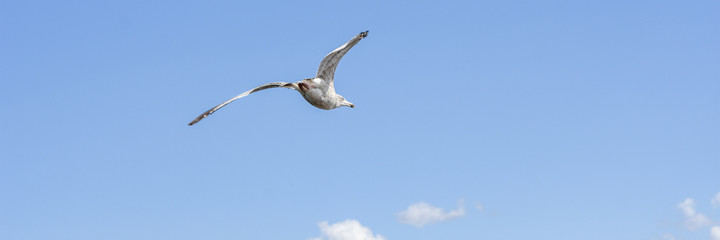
(716, 200)
(688, 207)
(715, 233)
(346, 230)
(693, 220)
(697, 222)
(421, 214)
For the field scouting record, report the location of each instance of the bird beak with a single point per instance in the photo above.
(347, 103)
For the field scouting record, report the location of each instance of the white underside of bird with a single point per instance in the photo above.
(318, 91)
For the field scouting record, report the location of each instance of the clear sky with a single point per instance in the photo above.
(562, 119)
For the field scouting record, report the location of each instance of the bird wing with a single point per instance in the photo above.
(261, 87)
(330, 62)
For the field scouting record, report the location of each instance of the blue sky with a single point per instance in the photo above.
(563, 119)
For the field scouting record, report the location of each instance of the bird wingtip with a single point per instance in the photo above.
(194, 122)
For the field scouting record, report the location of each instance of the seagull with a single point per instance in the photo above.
(318, 91)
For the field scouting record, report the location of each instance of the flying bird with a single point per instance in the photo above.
(318, 91)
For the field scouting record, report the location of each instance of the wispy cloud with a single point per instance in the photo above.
(715, 233)
(716, 201)
(693, 220)
(346, 230)
(668, 236)
(421, 214)
(479, 206)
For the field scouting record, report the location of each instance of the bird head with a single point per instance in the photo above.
(344, 102)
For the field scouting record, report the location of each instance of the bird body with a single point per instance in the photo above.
(318, 91)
